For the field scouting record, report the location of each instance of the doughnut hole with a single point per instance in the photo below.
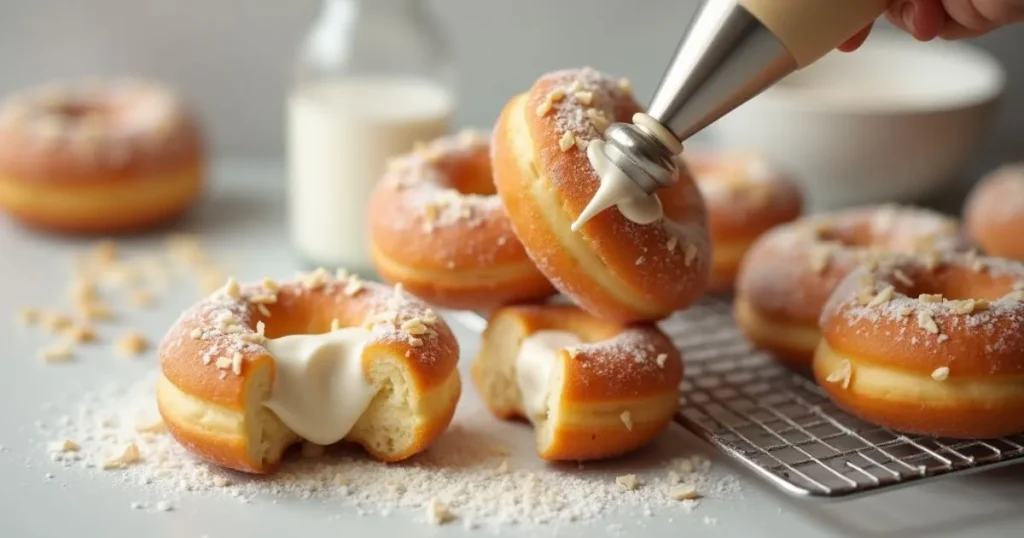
(954, 282)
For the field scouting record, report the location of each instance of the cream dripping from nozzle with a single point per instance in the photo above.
(732, 51)
(617, 189)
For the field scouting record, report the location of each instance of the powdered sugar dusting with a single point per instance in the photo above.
(482, 476)
(926, 317)
(794, 267)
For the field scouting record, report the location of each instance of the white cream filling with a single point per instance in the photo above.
(534, 363)
(319, 389)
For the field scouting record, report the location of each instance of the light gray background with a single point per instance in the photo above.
(233, 57)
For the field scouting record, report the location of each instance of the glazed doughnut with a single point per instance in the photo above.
(612, 267)
(929, 348)
(438, 227)
(229, 396)
(592, 388)
(746, 195)
(994, 212)
(105, 156)
(789, 273)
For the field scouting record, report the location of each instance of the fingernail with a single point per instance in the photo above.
(907, 13)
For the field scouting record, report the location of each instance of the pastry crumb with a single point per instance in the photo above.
(59, 352)
(684, 492)
(28, 316)
(438, 513)
(628, 481)
(66, 445)
(131, 344)
(660, 359)
(941, 373)
(142, 299)
(129, 456)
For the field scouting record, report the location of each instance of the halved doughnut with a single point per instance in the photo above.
(592, 388)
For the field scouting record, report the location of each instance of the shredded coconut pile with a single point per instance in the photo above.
(469, 476)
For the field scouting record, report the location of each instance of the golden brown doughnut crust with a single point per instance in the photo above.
(745, 195)
(633, 368)
(115, 155)
(789, 273)
(929, 347)
(612, 267)
(223, 326)
(994, 212)
(438, 227)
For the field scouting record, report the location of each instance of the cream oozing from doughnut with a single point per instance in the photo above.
(533, 366)
(319, 390)
(617, 188)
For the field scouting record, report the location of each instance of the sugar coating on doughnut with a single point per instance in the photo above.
(224, 319)
(815, 247)
(606, 100)
(928, 319)
(102, 122)
(626, 359)
(440, 205)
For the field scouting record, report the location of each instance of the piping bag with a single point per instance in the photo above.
(731, 52)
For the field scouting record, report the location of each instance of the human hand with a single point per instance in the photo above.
(946, 19)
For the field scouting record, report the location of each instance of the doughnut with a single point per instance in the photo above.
(745, 197)
(244, 371)
(104, 156)
(438, 227)
(592, 388)
(789, 272)
(612, 267)
(994, 212)
(928, 348)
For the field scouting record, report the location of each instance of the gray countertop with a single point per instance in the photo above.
(242, 219)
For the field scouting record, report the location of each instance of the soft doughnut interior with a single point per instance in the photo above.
(591, 411)
(391, 427)
(495, 376)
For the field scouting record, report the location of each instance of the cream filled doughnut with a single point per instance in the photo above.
(592, 388)
(928, 347)
(252, 369)
(994, 212)
(746, 195)
(438, 227)
(103, 156)
(613, 267)
(789, 273)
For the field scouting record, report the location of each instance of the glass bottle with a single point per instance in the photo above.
(372, 78)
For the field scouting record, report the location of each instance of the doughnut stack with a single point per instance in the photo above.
(481, 221)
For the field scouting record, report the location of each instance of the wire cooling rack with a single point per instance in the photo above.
(782, 426)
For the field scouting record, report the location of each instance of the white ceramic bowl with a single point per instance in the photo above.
(891, 122)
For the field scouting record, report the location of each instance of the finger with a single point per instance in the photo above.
(954, 30)
(929, 18)
(856, 41)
